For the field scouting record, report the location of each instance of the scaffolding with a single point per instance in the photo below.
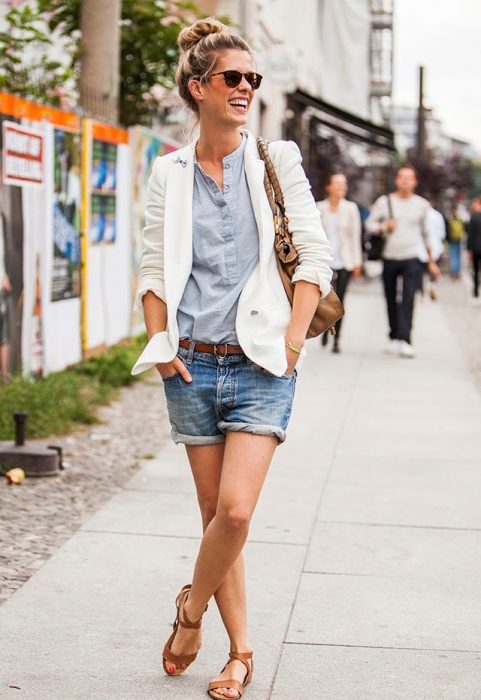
(381, 53)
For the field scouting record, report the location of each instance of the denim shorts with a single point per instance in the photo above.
(226, 393)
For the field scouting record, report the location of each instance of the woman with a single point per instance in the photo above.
(209, 277)
(456, 232)
(342, 222)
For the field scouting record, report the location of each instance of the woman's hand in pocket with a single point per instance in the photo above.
(169, 369)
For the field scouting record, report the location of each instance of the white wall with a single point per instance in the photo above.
(109, 306)
(60, 319)
(324, 43)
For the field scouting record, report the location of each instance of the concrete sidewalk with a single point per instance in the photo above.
(363, 560)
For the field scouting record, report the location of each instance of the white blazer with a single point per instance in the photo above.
(349, 231)
(263, 311)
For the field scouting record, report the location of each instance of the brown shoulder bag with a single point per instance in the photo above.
(330, 308)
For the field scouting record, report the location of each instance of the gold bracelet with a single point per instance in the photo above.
(290, 345)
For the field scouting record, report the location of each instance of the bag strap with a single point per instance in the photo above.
(389, 206)
(271, 181)
(286, 251)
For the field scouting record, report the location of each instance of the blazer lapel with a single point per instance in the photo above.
(178, 224)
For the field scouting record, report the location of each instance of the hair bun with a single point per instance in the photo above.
(190, 36)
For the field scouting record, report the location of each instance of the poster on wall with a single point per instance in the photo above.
(11, 268)
(103, 192)
(145, 147)
(23, 155)
(66, 216)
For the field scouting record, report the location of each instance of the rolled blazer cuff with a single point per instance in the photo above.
(315, 276)
(158, 288)
(157, 350)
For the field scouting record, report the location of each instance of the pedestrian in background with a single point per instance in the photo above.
(474, 245)
(438, 231)
(342, 222)
(456, 233)
(223, 335)
(402, 218)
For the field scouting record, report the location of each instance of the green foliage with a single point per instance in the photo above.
(57, 403)
(38, 77)
(148, 54)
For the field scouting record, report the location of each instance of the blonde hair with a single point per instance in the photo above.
(198, 46)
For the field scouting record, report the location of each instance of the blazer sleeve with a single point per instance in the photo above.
(151, 276)
(308, 235)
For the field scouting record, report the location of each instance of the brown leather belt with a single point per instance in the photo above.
(221, 349)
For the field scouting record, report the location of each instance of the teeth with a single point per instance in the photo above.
(238, 103)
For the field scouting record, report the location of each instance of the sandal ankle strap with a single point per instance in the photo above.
(241, 655)
(182, 616)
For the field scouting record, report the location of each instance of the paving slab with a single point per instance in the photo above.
(416, 491)
(92, 622)
(422, 553)
(399, 612)
(347, 673)
(284, 514)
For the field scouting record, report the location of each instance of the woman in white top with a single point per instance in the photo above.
(342, 222)
(223, 335)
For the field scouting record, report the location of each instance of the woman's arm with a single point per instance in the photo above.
(305, 225)
(313, 275)
(151, 291)
(305, 303)
(152, 263)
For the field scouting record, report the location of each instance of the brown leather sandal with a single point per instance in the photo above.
(181, 620)
(232, 684)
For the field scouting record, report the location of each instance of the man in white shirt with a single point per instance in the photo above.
(402, 217)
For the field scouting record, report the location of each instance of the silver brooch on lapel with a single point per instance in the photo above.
(182, 161)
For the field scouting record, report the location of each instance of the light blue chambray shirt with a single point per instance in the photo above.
(225, 244)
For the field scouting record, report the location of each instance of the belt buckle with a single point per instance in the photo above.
(215, 350)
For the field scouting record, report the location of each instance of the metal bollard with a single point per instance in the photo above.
(20, 419)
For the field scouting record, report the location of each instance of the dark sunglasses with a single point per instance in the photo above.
(233, 78)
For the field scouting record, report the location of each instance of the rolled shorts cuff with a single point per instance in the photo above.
(253, 428)
(179, 438)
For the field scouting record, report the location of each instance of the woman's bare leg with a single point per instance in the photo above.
(206, 463)
(245, 465)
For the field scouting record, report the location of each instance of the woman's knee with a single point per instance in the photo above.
(235, 518)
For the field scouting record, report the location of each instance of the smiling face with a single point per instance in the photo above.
(218, 102)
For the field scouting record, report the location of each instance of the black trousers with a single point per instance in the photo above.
(476, 269)
(400, 310)
(340, 282)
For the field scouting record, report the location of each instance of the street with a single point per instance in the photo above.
(363, 563)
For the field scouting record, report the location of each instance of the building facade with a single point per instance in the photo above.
(327, 67)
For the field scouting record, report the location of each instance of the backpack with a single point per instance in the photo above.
(456, 230)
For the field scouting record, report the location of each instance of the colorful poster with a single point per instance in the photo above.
(66, 216)
(103, 192)
(11, 270)
(102, 219)
(23, 155)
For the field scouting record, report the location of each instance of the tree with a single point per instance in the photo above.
(148, 54)
(26, 67)
(100, 58)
